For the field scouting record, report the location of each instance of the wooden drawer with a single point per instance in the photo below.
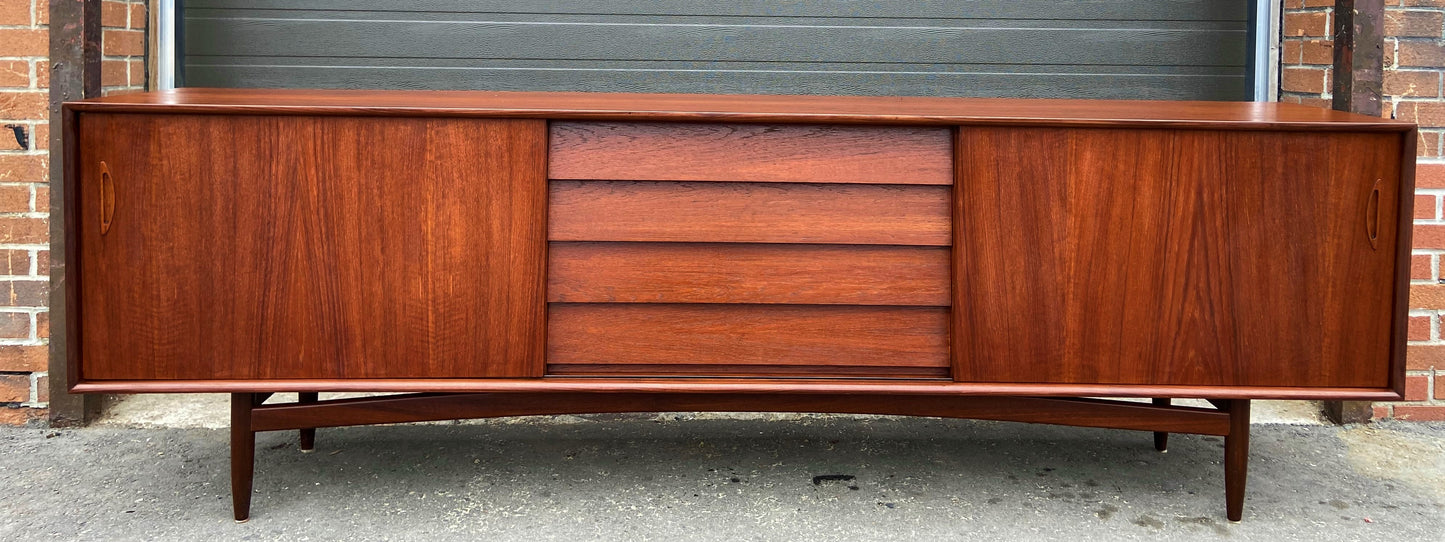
(749, 250)
(777, 153)
(714, 212)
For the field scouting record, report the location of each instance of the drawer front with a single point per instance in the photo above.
(776, 153)
(749, 250)
(319, 247)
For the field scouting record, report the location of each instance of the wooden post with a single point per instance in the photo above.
(74, 75)
(1359, 74)
(1359, 42)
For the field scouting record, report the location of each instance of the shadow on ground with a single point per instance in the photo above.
(671, 477)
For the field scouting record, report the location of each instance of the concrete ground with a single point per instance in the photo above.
(719, 477)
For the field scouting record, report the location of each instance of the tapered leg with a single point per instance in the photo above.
(1236, 458)
(308, 435)
(1161, 439)
(243, 454)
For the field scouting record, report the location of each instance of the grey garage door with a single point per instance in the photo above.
(1141, 49)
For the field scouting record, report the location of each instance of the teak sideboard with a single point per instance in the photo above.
(497, 254)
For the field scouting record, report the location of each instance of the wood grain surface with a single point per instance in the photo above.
(723, 335)
(884, 110)
(1174, 257)
(709, 212)
(302, 247)
(747, 273)
(638, 151)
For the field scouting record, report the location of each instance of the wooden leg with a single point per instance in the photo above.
(1236, 458)
(1161, 438)
(243, 454)
(308, 434)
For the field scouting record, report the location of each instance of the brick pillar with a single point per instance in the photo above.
(24, 189)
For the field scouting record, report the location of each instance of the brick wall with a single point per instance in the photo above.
(24, 192)
(1414, 64)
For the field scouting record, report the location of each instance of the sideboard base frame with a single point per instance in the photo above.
(249, 415)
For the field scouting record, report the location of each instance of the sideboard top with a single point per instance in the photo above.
(744, 108)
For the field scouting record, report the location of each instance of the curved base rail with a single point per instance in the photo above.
(249, 415)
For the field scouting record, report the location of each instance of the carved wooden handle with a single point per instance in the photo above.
(107, 199)
(1372, 216)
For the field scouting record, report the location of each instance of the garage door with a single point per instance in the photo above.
(1139, 49)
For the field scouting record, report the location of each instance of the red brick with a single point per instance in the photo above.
(23, 168)
(24, 358)
(24, 293)
(42, 389)
(1439, 387)
(1428, 146)
(1320, 52)
(139, 19)
(14, 262)
(15, 73)
(137, 73)
(1423, 357)
(1413, 84)
(1429, 175)
(1422, 296)
(14, 198)
(1421, 54)
(24, 230)
(42, 325)
(123, 43)
(1413, 23)
(1425, 207)
(1289, 52)
(24, 105)
(1417, 387)
(1381, 412)
(42, 262)
(1312, 23)
(42, 198)
(1422, 3)
(1426, 114)
(1420, 413)
(1319, 3)
(1429, 236)
(113, 74)
(1306, 80)
(25, 42)
(21, 416)
(1293, 4)
(14, 325)
(14, 388)
(1418, 330)
(113, 14)
(8, 141)
(42, 74)
(1420, 267)
(15, 13)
